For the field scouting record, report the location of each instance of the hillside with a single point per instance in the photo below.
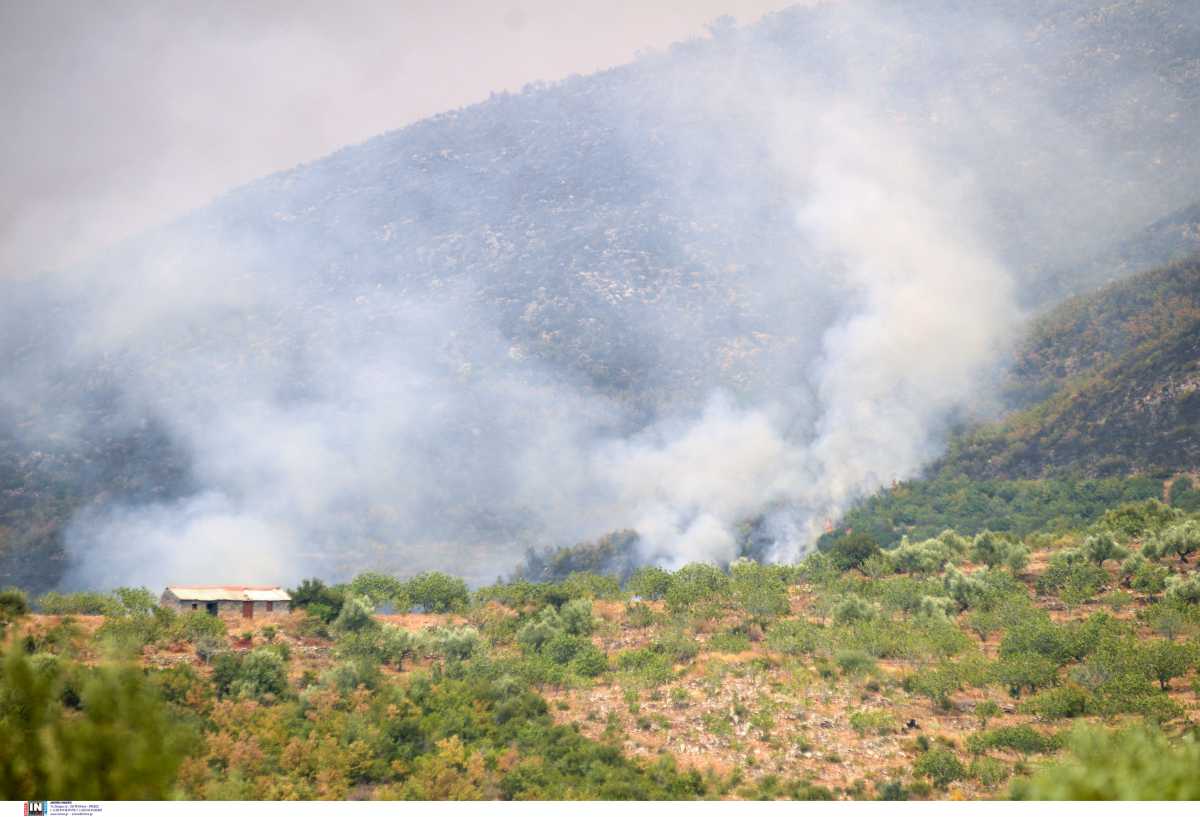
(1121, 371)
(950, 668)
(417, 352)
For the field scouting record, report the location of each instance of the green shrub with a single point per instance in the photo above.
(1102, 546)
(196, 627)
(1025, 671)
(318, 600)
(120, 745)
(589, 661)
(853, 609)
(695, 583)
(728, 642)
(1023, 739)
(88, 603)
(380, 590)
(261, 673)
(795, 637)
(649, 583)
(576, 617)
(1135, 764)
(645, 667)
(677, 645)
(1066, 701)
(941, 766)
(436, 592)
(875, 721)
(357, 614)
(854, 662)
(989, 771)
(851, 550)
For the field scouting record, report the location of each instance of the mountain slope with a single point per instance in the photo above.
(418, 350)
(1122, 369)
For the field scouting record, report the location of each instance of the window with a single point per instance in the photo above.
(270, 606)
(195, 606)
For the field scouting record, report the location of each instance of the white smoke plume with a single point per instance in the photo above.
(336, 415)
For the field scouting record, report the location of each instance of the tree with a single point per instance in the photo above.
(1181, 539)
(650, 583)
(318, 600)
(436, 592)
(1102, 546)
(851, 550)
(380, 589)
(1164, 660)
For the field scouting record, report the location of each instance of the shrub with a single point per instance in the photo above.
(261, 673)
(1023, 739)
(356, 615)
(1135, 520)
(436, 592)
(1066, 701)
(639, 615)
(318, 600)
(1180, 539)
(996, 549)
(646, 667)
(758, 589)
(875, 721)
(454, 643)
(1102, 546)
(677, 645)
(540, 629)
(121, 744)
(196, 627)
(380, 590)
(1184, 590)
(728, 642)
(1025, 671)
(795, 637)
(576, 617)
(694, 583)
(589, 661)
(1135, 764)
(853, 608)
(941, 766)
(986, 710)
(988, 771)
(854, 662)
(13, 605)
(851, 550)
(650, 583)
(1164, 660)
(88, 603)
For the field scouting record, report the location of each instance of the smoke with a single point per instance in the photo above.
(715, 286)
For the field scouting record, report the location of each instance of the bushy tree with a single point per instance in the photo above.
(13, 605)
(357, 614)
(851, 550)
(195, 627)
(381, 590)
(436, 592)
(1180, 539)
(695, 583)
(1164, 660)
(650, 582)
(1184, 590)
(576, 617)
(320, 601)
(758, 590)
(1102, 546)
(995, 549)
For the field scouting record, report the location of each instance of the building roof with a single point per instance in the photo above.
(228, 592)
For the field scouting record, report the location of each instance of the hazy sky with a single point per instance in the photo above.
(122, 114)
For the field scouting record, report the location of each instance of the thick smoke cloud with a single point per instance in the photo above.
(333, 418)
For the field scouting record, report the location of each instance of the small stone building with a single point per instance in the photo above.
(227, 600)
